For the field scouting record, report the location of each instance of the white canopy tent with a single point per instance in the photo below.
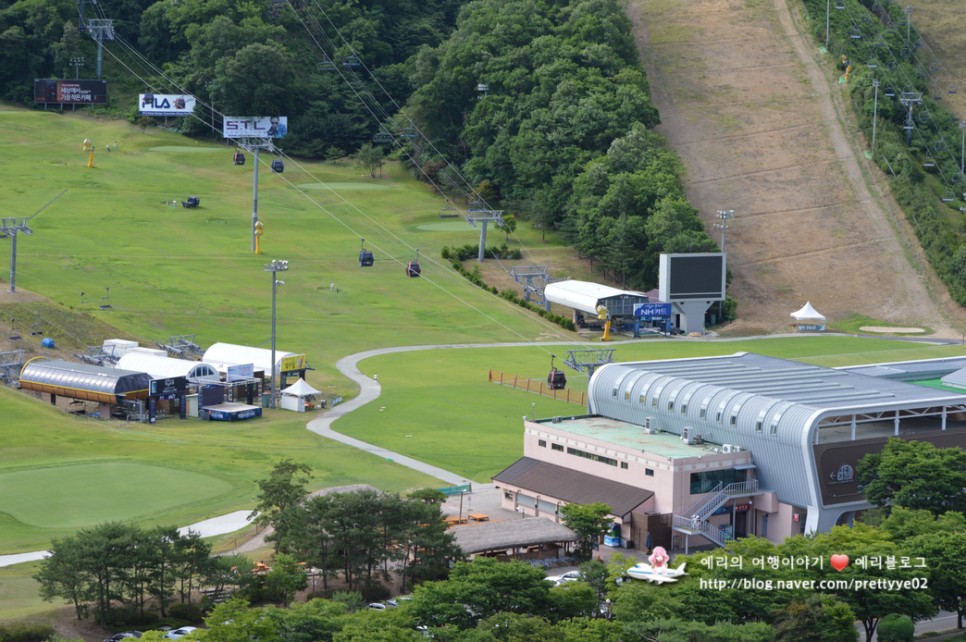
(300, 397)
(808, 318)
(222, 355)
(163, 367)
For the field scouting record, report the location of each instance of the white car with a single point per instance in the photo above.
(569, 576)
(177, 634)
(377, 606)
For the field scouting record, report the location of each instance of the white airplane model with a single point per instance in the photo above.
(645, 571)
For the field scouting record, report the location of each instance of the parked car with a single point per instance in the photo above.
(379, 606)
(569, 576)
(177, 634)
(126, 635)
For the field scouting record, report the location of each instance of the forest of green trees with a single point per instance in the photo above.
(562, 135)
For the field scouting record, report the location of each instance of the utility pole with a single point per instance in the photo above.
(875, 110)
(962, 147)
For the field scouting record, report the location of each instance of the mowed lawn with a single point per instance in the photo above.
(171, 271)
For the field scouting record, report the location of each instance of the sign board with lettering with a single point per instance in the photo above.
(652, 310)
(169, 388)
(292, 363)
(166, 104)
(255, 126)
(241, 372)
(70, 92)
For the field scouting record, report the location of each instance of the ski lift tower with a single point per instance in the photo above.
(10, 227)
(525, 275)
(254, 135)
(100, 29)
(484, 216)
(589, 360)
(909, 99)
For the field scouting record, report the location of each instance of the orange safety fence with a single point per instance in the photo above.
(539, 387)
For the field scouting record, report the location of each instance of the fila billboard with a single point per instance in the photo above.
(255, 126)
(70, 92)
(166, 105)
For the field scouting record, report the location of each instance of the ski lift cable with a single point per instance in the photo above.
(391, 100)
(914, 60)
(374, 106)
(443, 268)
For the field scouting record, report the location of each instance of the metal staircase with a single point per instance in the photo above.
(696, 520)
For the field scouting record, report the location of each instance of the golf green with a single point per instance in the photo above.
(74, 495)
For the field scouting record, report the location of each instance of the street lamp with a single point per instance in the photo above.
(275, 267)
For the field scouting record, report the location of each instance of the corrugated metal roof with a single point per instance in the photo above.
(572, 486)
(82, 380)
(489, 536)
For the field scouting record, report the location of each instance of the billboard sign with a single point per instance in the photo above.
(70, 92)
(255, 127)
(241, 372)
(170, 388)
(698, 276)
(293, 363)
(166, 105)
(652, 310)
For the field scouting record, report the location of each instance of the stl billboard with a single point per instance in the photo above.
(255, 127)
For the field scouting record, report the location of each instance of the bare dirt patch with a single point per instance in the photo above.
(758, 118)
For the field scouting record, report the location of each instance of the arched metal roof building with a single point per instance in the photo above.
(165, 367)
(83, 381)
(802, 423)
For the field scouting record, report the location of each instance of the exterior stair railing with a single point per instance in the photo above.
(696, 521)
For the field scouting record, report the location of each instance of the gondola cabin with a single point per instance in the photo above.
(238, 158)
(278, 166)
(365, 258)
(557, 379)
(412, 269)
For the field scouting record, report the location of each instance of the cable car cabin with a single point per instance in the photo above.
(366, 259)
(557, 379)
(278, 166)
(193, 201)
(412, 269)
(239, 158)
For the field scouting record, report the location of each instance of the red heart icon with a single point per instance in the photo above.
(839, 561)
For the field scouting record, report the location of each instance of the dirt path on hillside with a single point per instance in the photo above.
(758, 120)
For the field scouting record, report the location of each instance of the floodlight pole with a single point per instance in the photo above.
(274, 267)
(724, 216)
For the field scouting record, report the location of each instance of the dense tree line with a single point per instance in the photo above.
(923, 163)
(562, 132)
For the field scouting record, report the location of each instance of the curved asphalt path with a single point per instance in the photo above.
(369, 390)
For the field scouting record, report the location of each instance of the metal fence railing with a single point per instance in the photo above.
(539, 387)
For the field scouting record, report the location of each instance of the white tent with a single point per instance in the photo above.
(300, 397)
(222, 355)
(159, 366)
(808, 318)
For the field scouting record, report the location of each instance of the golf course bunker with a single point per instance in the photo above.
(450, 226)
(887, 330)
(90, 493)
(344, 187)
